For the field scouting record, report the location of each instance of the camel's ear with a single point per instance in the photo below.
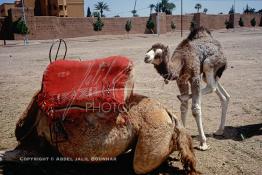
(166, 48)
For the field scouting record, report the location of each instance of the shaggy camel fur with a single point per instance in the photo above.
(197, 55)
(146, 127)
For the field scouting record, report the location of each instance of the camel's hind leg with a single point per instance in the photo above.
(209, 79)
(153, 145)
(184, 90)
(224, 99)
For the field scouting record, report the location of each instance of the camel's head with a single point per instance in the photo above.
(156, 54)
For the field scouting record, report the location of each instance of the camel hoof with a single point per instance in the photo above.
(203, 147)
(219, 132)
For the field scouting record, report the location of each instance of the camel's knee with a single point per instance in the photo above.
(211, 88)
(228, 97)
(223, 97)
(184, 106)
(196, 110)
(184, 109)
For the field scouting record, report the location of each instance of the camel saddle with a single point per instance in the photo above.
(71, 87)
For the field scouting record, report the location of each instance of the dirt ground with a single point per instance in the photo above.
(239, 151)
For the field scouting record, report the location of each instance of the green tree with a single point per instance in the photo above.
(231, 11)
(98, 24)
(193, 25)
(89, 14)
(205, 10)
(150, 25)
(241, 22)
(198, 7)
(173, 25)
(229, 24)
(249, 10)
(101, 6)
(128, 26)
(20, 27)
(253, 22)
(165, 6)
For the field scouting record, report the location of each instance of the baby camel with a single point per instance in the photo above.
(199, 54)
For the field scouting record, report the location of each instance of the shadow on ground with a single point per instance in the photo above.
(238, 133)
(241, 133)
(123, 166)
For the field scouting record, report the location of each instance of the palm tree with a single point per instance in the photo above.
(134, 12)
(101, 6)
(198, 6)
(165, 6)
(169, 8)
(205, 10)
(158, 7)
(151, 6)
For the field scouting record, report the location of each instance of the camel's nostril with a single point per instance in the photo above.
(174, 77)
(146, 59)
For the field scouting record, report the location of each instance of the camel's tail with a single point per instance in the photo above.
(220, 71)
(186, 151)
(174, 119)
(185, 146)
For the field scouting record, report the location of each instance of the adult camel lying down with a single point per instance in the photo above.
(146, 127)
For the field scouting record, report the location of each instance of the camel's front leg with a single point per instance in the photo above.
(196, 111)
(184, 90)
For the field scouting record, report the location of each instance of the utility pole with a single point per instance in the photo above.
(24, 19)
(158, 20)
(234, 6)
(181, 15)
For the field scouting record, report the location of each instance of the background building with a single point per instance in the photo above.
(60, 8)
(5, 7)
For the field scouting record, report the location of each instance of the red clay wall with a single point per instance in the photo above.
(247, 18)
(177, 19)
(51, 27)
(213, 21)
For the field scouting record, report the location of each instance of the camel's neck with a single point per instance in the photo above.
(175, 65)
(162, 69)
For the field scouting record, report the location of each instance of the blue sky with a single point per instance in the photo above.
(123, 7)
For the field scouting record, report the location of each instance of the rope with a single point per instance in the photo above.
(59, 45)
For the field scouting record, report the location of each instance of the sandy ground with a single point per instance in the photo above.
(238, 152)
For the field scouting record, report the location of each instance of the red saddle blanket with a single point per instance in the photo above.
(70, 87)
